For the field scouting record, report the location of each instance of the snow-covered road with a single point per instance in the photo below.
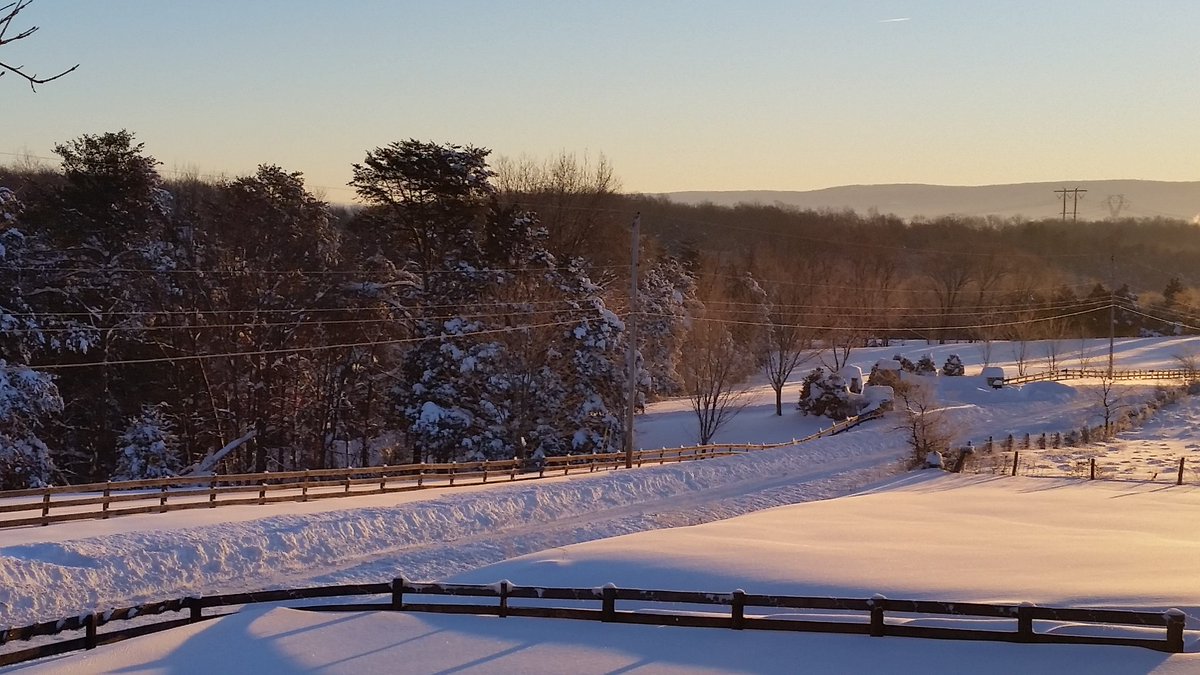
(423, 538)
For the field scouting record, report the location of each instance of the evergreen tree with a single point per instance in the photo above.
(148, 447)
(27, 397)
(953, 366)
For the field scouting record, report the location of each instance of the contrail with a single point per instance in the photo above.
(897, 20)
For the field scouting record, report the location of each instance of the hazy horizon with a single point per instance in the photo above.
(704, 96)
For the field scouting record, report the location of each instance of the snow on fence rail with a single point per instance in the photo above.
(877, 616)
(160, 495)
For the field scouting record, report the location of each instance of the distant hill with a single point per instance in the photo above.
(1143, 199)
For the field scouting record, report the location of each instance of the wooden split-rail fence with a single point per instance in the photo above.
(66, 503)
(877, 616)
(1060, 374)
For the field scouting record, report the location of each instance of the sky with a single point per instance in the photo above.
(678, 95)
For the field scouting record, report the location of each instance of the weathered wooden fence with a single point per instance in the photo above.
(876, 616)
(66, 503)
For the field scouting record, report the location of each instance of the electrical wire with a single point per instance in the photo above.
(296, 350)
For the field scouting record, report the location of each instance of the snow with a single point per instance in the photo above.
(1108, 544)
(768, 521)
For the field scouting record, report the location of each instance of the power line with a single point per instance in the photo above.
(929, 312)
(809, 284)
(216, 272)
(293, 324)
(299, 350)
(296, 310)
(1001, 324)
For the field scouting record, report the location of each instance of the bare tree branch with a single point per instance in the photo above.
(7, 14)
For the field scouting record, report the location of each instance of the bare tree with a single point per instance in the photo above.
(575, 199)
(1110, 405)
(8, 13)
(712, 372)
(949, 276)
(924, 422)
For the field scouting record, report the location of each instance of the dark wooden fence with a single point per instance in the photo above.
(1059, 374)
(66, 503)
(876, 616)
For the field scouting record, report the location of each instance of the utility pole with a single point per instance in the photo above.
(1074, 202)
(1112, 311)
(631, 350)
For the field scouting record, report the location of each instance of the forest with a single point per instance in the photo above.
(465, 308)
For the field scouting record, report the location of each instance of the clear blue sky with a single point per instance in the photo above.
(679, 95)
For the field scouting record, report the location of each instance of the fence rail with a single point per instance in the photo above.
(876, 616)
(67, 503)
(1060, 374)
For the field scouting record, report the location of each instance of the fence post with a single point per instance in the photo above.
(420, 475)
(162, 500)
(877, 625)
(1025, 622)
(737, 619)
(107, 496)
(346, 486)
(383, 479)
(1175, 621)
(505, 584)
(512, 474)
(262, 490)
(212, 493)
(485, 468)
(452, 473)
(1027, 441)
(1092, 469)
(46, 508)
(1016, 458)
(398, 593)
(608, 607)
(91, 623)
(304, 487)
(195, 609)
(991, 445)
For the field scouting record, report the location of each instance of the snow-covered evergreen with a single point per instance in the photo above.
(953, 366)
(27, 397)
(667, 300)
(148, 448)
(925, 366)
(825, 394)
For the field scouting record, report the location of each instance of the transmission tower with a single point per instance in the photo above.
(1116, 204)
(1074, 192)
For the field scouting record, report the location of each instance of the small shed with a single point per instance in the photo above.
(994, 376)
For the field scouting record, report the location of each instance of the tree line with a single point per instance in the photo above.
(460, 310)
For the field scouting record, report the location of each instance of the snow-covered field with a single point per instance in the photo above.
(954, 538)
(923, 536)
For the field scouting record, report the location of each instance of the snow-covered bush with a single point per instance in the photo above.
(905, 364)
(885, 373)
(10, 207)
(148, 448)
(825, 394)
(953, 366)
(925, 366)
(26, 397)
